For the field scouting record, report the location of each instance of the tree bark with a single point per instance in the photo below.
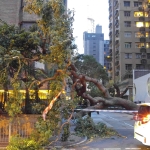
(79, 84)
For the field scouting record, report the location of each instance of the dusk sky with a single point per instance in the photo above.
(96, 9)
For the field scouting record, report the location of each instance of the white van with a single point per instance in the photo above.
(142, 124)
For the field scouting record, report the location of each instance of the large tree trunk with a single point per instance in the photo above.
(79, 84)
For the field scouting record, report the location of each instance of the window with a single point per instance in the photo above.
(128, 66)
(127, 13)
(139, 45)
(93, 35)
(138, 55)
(138, 34)
(127, 23)
(128, 55)
(147, 24)
(139, 66)
(128, 45)
(127, 34)
(147, 45)
(126, 3)
(147, 34)
(139, 24)
(148, 55)
(136, 4)
(146, 14)
(138, 14)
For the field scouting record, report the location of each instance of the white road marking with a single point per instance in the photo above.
(133, 148)
(118, 120)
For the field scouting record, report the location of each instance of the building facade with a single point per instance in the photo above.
(11, 12)
(107, 63)
(129, 32)
(94, 44)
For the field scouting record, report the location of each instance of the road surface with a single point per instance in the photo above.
(123, 124)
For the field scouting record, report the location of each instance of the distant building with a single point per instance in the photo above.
(94, 44)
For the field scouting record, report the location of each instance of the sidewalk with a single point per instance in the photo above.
(72, 140)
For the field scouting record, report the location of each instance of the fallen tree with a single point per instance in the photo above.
(80, 85)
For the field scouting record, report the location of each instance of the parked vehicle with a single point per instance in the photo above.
(142, 124)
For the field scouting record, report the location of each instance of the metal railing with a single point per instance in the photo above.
(21, 126)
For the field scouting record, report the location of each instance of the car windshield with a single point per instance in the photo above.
(144, 110)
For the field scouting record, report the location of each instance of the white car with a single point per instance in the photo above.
(142, 124)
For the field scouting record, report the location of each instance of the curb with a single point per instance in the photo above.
(61, 147)
(82, 141)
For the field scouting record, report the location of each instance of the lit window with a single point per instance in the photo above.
(139, 24)
(147, 24)
(138, 14)
(139, 45)
(147, 34)
(146, 14)
(147, 45)
(137, 34)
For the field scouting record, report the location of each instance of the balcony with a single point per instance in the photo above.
(116, 22)
(110, 33)
(110, 8)
(110, 16)
(117, 73)
(117, 33)
(116, 12)
(110, 50)
(141, 18)
(143, 56)
(143, 49)
(142, 29)
(143, 61)
(110, 25)
(117, 42)
(110, 68)
(116, 3)
(141, 8)
(109, 58)
(127, 75)
(117, 63)
(116, 52)
(142, 39)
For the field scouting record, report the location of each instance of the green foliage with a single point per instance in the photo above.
(17, 143)
(86, 127)
(94, 91)
(50, 42)
(89, 66)
(66, 132)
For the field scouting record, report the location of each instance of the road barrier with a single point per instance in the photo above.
(103, 110)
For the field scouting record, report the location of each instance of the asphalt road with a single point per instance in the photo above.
(123, 124)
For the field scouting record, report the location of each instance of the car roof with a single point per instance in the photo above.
(144, 104)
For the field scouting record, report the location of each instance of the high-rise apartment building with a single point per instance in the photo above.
(11, 11)
(94, 44)
(106, 54)
(129, 32)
